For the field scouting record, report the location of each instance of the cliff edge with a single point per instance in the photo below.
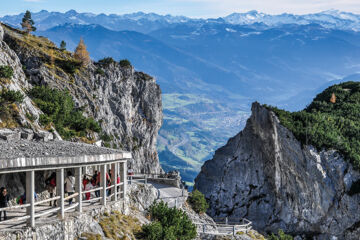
(267, 176)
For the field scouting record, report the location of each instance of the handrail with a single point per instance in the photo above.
(14, 207)
(71, 196)
(92, 200)
(47, 212)
(111, 186)
(111, 195)
(71, 207)
(16, 219)
(47, 200)
(226, 229)
(93, 190)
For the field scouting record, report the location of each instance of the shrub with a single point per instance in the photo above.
(153, 231)
(12, 96)
(59, 108)
(280, 236)
(198, 202)
(125, 63)
(69, 66)
(106, 62)
(175, 224)
(30, 116)
(100, 71)
(6, 72)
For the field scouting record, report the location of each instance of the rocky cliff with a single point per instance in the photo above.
(126, 103)
(265, 175)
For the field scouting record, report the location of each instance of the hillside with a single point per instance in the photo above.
(51, 91)
(282, 60)
(329, 124)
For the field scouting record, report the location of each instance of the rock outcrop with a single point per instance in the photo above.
(126, 103)
(265, 175)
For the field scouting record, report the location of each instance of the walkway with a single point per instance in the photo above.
(176, 197)
(59, 156)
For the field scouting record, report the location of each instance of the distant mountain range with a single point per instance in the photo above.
(147, 22)
(210, 70)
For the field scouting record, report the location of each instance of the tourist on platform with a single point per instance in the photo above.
(70, 185)
(51, 186)
(88, 187)
(4, 200)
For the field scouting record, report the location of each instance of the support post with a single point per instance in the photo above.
(60, 191)
(226, 221)
(30, 190)
(103, 184)
(78, 187)
(234, 233)
(204, 228)
(124, 178)
(145, 179)
(114, 175)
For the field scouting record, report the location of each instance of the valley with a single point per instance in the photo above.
(211, 70)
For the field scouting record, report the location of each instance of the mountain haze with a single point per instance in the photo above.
(210, 70)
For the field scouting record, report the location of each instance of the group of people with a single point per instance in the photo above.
(88, 183)
(69, 186)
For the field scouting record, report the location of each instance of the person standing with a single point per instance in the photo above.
(51, 186)
(70, 185)
(4, 200)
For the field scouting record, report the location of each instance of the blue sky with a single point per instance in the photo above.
(191, 8)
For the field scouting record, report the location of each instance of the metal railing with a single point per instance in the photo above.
(225, 229)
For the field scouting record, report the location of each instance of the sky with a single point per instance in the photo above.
(190, 8)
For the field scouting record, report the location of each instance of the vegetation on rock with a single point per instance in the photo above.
(106, 62)
(9, 111)
(197, 201)
(118, 226)
(125, 63)
(168, 224)
(11, 96)
(27, 23)
(280, 236)
(81, 54)
(331, 121)
(6, 72)
(63, 45)
(59, 109)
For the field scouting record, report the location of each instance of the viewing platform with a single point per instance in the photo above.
(30, 157)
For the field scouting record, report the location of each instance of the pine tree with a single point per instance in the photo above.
(82, 54)
(27, 23)
(63, 46)
(333, 98)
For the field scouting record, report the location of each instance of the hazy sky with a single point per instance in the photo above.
(191, 8)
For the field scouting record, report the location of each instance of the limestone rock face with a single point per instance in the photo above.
(265, 175)
(125, 102)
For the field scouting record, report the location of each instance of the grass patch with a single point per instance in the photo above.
(118, 226)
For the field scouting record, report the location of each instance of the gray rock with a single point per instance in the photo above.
(27, 134)
(126, 102)
(264, 174)
(9, 135)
